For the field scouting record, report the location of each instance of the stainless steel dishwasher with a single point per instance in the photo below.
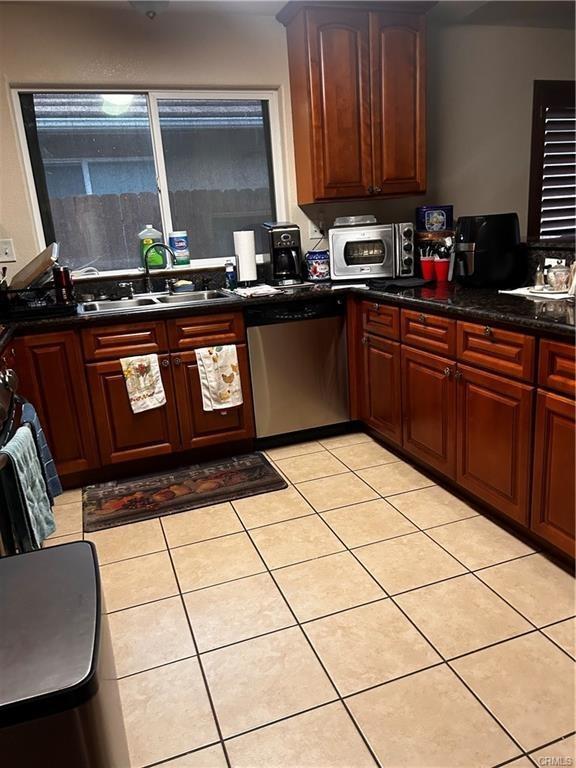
(298, 363)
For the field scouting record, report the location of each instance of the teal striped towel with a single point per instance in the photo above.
(22, 452)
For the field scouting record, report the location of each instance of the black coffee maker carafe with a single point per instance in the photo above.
(283, 257)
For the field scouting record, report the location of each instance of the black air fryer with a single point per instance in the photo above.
(488, 251)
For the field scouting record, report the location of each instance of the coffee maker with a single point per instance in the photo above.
(283, 254)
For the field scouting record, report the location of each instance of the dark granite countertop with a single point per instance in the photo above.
(553, 317)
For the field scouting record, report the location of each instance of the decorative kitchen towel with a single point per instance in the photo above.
(219, 377)
(143, 382)
(35, 504)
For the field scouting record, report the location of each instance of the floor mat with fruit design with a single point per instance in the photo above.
(139, 498)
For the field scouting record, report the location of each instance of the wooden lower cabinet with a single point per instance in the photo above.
(381, 402)
(553, 497)
(199, 427)
(429, 409)
(494, 440)
(122, 434)
(51, 373)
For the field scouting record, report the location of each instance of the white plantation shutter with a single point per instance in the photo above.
(552, 205)
(557, 209)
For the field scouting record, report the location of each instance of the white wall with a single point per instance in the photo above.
(479, 108)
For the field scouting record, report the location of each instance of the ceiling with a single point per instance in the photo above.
(557, 14)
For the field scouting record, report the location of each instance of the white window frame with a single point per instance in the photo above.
(153, 96)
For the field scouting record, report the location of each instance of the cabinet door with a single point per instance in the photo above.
(199, 427)
(51, 372)
(339, 61)
(428, 396)
(553, 498)
(398, 102)
(382, 407)
(494, 440)
(122, 434)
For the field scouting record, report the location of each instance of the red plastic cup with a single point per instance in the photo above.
(427, 267)
(441, 269)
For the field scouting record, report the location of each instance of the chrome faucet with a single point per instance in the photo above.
(147, 278)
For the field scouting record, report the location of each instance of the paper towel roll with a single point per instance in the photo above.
(245, 251)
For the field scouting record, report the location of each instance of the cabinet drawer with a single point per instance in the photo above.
(557, 367)
(114, 341)
(381, 320)
(429, 332)
(201, 331)
(506, 352)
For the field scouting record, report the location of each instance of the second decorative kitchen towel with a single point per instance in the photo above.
(219, 377)
(143, 382)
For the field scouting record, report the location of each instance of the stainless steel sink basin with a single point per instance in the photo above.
(188, 296)
(157, 300)
(107, 305)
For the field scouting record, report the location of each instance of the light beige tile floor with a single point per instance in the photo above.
(377, 573)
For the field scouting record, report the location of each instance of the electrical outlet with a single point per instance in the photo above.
(313, 231)
(7, 251)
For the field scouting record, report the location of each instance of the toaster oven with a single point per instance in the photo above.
(371, 251)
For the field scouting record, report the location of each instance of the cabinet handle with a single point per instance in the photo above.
(447, 372)
(422, 318)
(377, 190)
(458, 375)
(177, 361)
(376, 307)
(165, 363)
(488, 331)
(364, 339)
(223, 413)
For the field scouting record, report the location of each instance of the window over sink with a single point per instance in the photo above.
(106, 164)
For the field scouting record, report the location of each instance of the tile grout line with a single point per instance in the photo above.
(200, 665)
(482, 704)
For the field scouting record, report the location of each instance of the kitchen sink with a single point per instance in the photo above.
(108, 305)
(187, 296)
(157, 300)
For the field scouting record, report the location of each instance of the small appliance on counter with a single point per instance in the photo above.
(283, 254)
(366, 250)
(488, 252)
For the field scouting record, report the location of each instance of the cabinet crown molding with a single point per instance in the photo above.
(290, 10)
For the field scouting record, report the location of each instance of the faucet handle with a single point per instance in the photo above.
(127, 286)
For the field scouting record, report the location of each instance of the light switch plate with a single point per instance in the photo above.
(7, 251)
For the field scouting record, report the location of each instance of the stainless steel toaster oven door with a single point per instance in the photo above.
(362, 252)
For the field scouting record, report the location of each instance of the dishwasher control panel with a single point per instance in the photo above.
(292, 311)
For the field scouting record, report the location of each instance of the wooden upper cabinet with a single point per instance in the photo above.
(357, 80)
(51, 372)
(340, 102)
(398, 94)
